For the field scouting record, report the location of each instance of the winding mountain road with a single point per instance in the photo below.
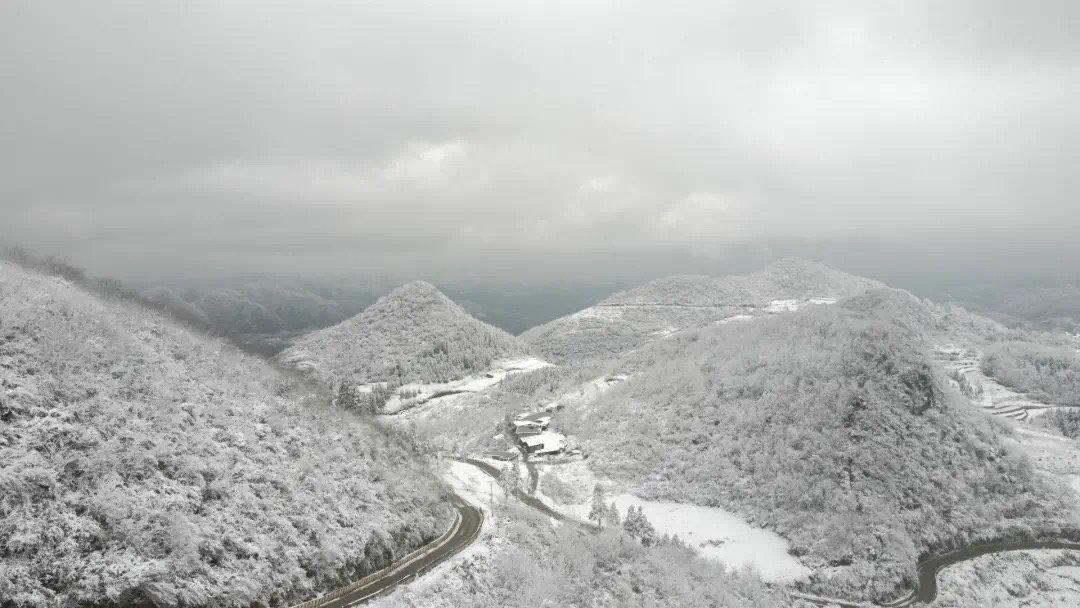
(466, 530)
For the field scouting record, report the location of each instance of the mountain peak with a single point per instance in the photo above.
(413, 334)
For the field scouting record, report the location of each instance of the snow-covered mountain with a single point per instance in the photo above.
(142, 464)
(832, 425)
(632, 318)
(413, 335)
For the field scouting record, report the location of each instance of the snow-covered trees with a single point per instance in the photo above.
(510, 479)
(612, 516)
(414, 334)
(598, 508)
(143, 464)
(544, 566)
(1045, 373)
(826, 423)
(638, 526)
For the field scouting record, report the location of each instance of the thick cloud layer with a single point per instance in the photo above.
(419, 137)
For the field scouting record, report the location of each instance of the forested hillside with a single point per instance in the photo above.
(142, 464)
(828, 425)
(414, 334)
(534, 564)
(632, 318)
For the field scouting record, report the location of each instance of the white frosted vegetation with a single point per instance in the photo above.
(413, 335)
(141, 463)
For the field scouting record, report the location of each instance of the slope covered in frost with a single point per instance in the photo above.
(142, 464)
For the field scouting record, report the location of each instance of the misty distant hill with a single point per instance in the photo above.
(264, 314)
(142, 464)
(629, 319)
(413, 334)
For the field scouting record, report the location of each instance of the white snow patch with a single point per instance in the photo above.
(776, 306)
(665, 332)
(586, 393)
(419, 394)
(735, 318)
(472, 484)
(716, 534)
(603, 313)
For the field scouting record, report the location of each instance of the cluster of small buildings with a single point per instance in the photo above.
(532, 431)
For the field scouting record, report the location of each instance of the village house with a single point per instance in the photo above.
(537, 421)
(544, 443)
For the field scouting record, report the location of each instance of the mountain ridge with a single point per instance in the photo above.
(632, 318)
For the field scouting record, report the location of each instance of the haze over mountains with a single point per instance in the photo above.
(801, 399)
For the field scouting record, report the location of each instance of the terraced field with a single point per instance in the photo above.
(963, 367)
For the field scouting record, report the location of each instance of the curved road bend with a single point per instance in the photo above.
(929, 568)
(471, 519)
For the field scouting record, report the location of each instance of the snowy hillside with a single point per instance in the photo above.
(628, 320)
(141, 464)
(829, 425)
(413, 335)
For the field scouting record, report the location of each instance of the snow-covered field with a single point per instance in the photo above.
(715, 533)
(411, 395)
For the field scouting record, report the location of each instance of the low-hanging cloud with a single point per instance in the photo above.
(414, 136)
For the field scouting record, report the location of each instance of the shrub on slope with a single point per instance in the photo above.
(141, 464)
(827, 425)
(414, 334)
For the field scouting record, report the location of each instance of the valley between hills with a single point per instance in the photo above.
(795, 436)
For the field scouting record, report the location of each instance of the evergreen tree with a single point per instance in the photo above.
(647, 532)
(613, 515)
(598, 506)
(510, 479)
(632, 523)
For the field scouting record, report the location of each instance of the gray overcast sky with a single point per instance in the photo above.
(575, 137)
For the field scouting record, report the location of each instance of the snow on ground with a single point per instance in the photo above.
(411, 395)
(735, 318)
(714, 532)
(1012, 580)
(665, 332)
(472, 484)
(777, 306)
(1052, 455)
(586, 393)
(995, 398)
(605, 313)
